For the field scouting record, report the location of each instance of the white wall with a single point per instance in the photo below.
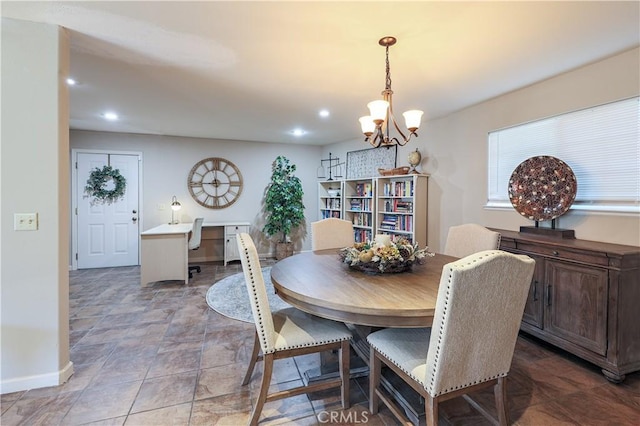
(454, 150)
(167, 162)
(34, 179)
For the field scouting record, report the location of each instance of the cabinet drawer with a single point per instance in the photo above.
(592, 258)
(231, 230)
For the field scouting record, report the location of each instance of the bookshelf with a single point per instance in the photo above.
(359, 203)
(401, 207)
(330, 199)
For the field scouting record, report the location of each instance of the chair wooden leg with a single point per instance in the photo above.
(254, 358)
(345, 376)
(500, 393)
(431, 410)
(264, 389)
(375, 367)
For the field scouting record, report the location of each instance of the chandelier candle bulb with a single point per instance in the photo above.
(378, 110)
(367, 125)
(413, 118)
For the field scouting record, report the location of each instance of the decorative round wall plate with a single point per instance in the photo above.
(542, 188)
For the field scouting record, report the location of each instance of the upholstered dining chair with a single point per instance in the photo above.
(331, 233)
(471, 342)
(194, 242)
(287, 333)
(469, 238)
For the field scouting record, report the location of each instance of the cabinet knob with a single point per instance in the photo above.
(555, 253)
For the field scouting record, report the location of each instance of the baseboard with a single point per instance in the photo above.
(34, 382)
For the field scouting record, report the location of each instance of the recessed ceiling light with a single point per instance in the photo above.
(324, 113)
(298, 132)
(71, 82)
(110, 116)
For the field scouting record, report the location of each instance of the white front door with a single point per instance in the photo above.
(107, 234)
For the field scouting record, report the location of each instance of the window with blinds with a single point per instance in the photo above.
(600, 144)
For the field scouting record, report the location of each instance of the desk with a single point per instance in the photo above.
(165, 250)
(320, 284)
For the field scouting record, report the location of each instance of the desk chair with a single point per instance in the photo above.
(469, 238)
(288, 333)
(471, 342)
(331, 233)
(194, 242)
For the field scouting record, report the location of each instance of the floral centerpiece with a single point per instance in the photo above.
(383, 255)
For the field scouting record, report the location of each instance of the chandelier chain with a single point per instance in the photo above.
(388, 69)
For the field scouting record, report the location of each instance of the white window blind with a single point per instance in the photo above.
(600, 144)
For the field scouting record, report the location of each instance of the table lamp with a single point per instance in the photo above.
(175, 206)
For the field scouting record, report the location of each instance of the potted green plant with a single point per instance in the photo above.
(283, 205)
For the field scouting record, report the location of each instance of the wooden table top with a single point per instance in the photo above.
(320, 284)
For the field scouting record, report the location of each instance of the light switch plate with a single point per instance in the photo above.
(25, 221)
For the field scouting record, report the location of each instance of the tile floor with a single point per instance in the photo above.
(159, 356)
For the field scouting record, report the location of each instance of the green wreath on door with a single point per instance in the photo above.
(98, 182)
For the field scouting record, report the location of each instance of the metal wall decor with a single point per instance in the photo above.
(365, 163)
(333, 164)
(542, 188)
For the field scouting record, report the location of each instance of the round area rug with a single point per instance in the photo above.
(229, 297)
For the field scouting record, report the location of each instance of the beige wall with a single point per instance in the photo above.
(34, 179)
(454, 150)
(167, 161)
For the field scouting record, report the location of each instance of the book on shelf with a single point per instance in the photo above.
(398, 189)
(361, 219)
(402, 206)
(364, 189)
(361, 235)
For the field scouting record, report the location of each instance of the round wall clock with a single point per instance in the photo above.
(215, 183)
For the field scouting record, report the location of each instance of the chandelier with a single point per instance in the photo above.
(376, 126)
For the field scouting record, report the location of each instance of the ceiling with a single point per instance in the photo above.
(257, 70)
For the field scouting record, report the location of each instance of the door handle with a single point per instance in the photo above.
(134, 211)
(548, 295)
(134, 219)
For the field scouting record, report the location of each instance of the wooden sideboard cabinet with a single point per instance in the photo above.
(584, 298)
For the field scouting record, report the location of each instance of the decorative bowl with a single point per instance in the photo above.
(388, 258)
(397, 171)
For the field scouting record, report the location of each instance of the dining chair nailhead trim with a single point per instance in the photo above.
(441, 331)
(262, 332)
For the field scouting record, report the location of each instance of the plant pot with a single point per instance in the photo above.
(284, 250)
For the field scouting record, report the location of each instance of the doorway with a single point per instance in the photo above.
(105, 234)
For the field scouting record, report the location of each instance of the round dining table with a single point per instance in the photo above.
(321, 284)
